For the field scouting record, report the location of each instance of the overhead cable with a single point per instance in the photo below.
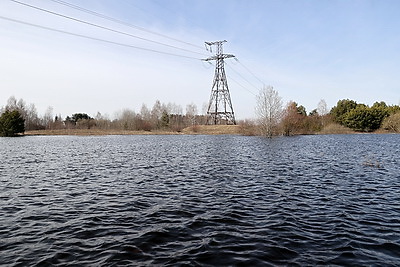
(94, 38)
(249, 71)
(121, 22)
(241, 85)
(242, 76)
(244, 87)
(102, 27)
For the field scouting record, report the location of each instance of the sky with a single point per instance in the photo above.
(109, 55)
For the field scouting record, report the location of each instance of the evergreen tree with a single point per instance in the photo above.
(11, 123)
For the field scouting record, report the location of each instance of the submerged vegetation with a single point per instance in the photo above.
(273, 118)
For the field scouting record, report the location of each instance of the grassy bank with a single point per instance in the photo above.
(87, 132)
(198, 129)
(334, 128)
(192, 130)
(213, 129)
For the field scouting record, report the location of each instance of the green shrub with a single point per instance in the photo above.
(11, 123)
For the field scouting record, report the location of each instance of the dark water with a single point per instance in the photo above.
(200, 200)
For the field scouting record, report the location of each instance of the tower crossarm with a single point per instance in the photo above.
(216, 57)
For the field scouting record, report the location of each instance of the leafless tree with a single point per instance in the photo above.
(156, 111)
(322, 108)
(102, 121)
(126, 120)
(268, 110)
(32, 121)
(145, 113)
(11, 103)
(173, 108)
(48, 117)
(191, 112)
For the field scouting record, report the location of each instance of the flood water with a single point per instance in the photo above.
(200, 200)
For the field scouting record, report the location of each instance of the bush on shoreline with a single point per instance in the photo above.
(11, 123)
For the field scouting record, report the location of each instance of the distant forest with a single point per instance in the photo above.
(160, 117)
(346, 116)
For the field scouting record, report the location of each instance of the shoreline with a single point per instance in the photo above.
(192, 130)
(95, 132)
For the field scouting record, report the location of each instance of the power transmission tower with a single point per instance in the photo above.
(220, 110)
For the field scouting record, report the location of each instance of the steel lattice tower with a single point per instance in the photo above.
(220, 110)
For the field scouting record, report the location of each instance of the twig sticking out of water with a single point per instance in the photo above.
(370, 162)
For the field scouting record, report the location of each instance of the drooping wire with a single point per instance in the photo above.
(249, 71)
(241, 76)
(207, 65)
(241, 85)
(121, 22)
(103, 27)
(94, 38)
(230, 78)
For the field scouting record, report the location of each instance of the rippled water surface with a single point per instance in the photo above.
(200, 200)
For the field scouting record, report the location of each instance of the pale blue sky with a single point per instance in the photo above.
(308, 50)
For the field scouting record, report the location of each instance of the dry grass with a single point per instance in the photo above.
(213, 129)
(85, 132)
(192, 130)
(197, 129)
(334, 128)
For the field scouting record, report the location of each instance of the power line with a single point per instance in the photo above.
(242, 76)
(120, 32)
(121, 22)
(94, 38)
(102, 27)
(249, 70)
(244, 87)
(241, 85)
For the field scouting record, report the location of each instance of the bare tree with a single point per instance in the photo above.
(156, 113)
(268, 110)
(145, 113)
(127, 119)
(32, 121)
(144, 122)
(191, 113)
(11, 103)
(48, 117)
(173, 108)
(102, 121)
(322, 108)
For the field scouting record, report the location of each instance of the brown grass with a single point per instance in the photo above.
(213, 129)
(197, 129)
(85, 132)
(334, 128)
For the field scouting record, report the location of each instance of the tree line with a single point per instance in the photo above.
(169, 117)
(273, 118)
(276, 119)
